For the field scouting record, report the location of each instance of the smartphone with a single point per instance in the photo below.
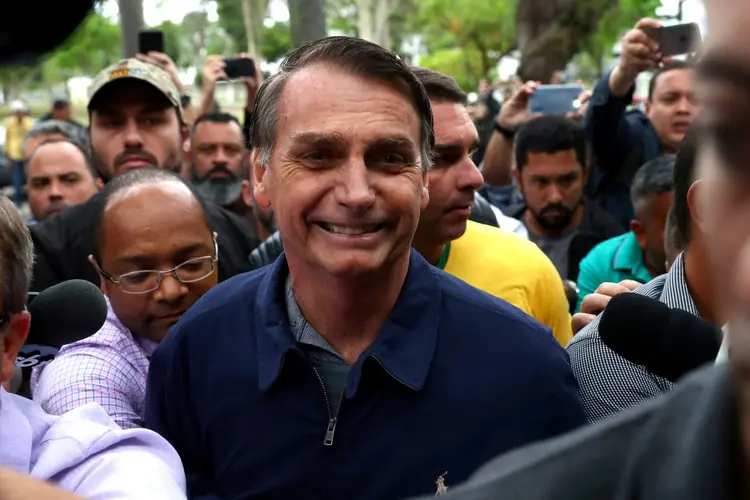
(554, 99)
(676, 40)
(239, 68)
(150, 40)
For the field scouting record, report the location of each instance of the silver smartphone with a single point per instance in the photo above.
(554, 99)
(676, 40)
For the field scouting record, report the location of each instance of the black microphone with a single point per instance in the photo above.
(62, 314)
(668, 342)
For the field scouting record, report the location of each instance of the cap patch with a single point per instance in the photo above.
(136, 72)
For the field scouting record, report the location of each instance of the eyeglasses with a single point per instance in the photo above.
(190, 271)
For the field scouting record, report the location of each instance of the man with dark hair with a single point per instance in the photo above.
(59, 175)
(493, 260)
(550, 173)
(154, 261)
(692, 444)
(639, 254)
(610, 383)
(350, 342)
(136, 121)
(624, 140)
(61, 111)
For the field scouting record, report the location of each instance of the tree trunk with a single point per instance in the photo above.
(131, 21)
(550, 33)
(307, 20)
(372, 21)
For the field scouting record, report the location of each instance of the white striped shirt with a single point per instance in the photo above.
(608, 382)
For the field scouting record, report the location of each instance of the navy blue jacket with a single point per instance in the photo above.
(622, 141)
(455, 378)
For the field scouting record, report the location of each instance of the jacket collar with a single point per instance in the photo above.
(404, 348)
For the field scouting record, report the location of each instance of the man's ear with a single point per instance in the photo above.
(260, 178)
(696, 205)
(102, 279)
(13, 336)
(639, 230)
(425, 192)
(516, 176)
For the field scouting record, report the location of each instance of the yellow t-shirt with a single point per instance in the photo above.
(15, 132)
(516, 270)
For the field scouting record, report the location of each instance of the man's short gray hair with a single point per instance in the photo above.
(353, 55)
(16, 257)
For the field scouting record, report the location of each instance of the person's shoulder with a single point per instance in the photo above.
(607, 248)
(87, 434)
(562, 467)
(499, 247)
(478, 310)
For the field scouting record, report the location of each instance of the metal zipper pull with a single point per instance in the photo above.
(329, 432)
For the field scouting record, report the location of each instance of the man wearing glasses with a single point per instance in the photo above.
(155, 255)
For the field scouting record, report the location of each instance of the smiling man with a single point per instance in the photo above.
(154, 262)
(351, 367)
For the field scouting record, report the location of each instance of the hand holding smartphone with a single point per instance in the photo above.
(242, 67)
(150, 41)
(676, 40)
(554, 99)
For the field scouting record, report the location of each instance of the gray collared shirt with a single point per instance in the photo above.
(329, 366)
(608, 382)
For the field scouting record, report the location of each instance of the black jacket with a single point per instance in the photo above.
(596, 226)
(62, 245)
(267, 251)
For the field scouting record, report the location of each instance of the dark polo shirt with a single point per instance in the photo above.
(683, 446)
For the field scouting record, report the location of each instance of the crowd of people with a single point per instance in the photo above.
(357, 292)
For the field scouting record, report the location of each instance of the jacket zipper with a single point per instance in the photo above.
(332, 419)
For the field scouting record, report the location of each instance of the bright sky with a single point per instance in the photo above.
(157, 11)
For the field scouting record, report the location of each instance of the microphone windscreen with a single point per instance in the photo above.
(66, 313)
(668, 342)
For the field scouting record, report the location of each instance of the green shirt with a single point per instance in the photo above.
(616, 259)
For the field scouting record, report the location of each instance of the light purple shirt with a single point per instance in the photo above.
(109, 368)
(84, 452)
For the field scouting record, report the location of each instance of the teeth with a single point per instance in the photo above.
(350, 230)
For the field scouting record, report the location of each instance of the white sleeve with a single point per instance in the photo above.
(143, 467)
(510, 224)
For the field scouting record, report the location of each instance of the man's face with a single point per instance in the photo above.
(58, 177)
(552, 185)
(648, 227)
(454, 178)
(140, 235)
(219, 161)
(724, 88)
(61, 113)
(133, 125)
(345, 179)
(673, 106)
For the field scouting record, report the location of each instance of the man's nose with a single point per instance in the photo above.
(354, 189)
(133, 135)
(54, 192)
(685, 105)
(553, 194)
(469, 176)
(170, 289)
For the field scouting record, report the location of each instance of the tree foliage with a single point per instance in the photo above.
(483, 29)
(94, 46)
